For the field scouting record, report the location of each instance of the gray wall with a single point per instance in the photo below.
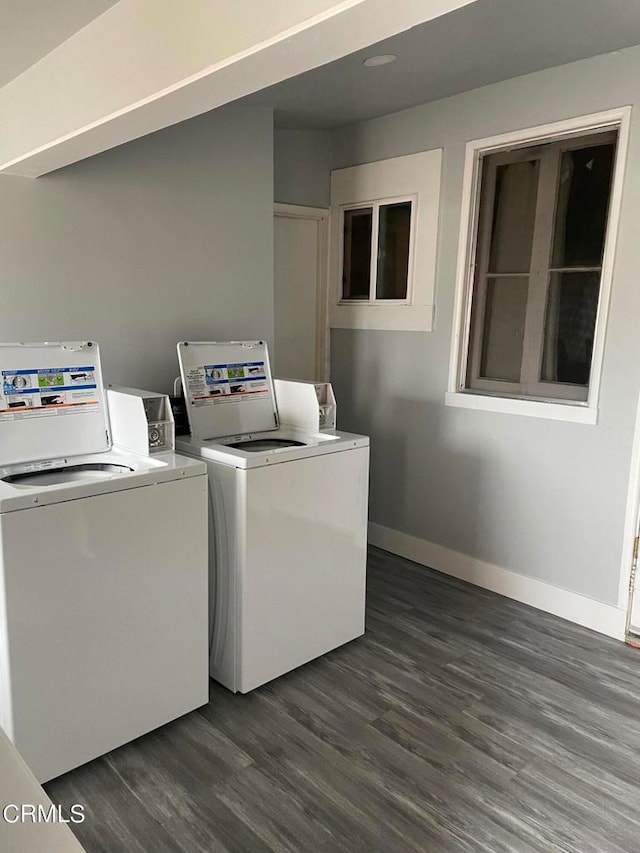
(539, 497)
(302, 167)
(168, 237)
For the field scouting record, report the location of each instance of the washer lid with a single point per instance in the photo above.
(52, 401)
(227, 387)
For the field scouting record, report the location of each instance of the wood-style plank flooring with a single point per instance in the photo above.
(461, 721)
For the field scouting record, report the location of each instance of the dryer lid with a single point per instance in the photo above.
(227, 387)
(52, 401)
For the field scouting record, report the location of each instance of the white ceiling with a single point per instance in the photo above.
(29, 29)
(147, 64)
(476, 45)
(482, 43)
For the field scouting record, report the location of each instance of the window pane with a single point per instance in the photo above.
(356, 269)
(583, 202)
(572, 304)
(394, 229)
(503, 328)
(514, 210)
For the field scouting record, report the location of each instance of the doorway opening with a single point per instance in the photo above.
(301, 331)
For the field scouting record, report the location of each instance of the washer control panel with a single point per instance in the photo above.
(141, 420)
(158, 437)
(309, 406)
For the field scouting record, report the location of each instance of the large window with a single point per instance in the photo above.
(539, 249)
(540, 213)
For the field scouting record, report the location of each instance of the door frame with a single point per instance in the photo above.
(631, 529)
(321, 216)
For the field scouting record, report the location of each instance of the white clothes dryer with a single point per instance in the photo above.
(288, 519)
(103, 568)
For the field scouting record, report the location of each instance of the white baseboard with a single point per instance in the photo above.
(604, 618)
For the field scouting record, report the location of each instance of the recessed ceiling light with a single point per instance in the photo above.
(383, 59)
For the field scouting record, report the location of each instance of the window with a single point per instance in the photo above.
(532, 316)
(384, 230)
(384, 273)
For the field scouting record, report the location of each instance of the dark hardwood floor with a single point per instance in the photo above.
(461, 721)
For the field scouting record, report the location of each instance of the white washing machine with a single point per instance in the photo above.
(103, 568)
(288, 519)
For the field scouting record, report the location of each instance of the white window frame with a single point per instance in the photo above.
(415, 178)
(375, 206)
(556, 409)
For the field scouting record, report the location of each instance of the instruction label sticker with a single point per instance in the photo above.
(48, 391)
(212, 384)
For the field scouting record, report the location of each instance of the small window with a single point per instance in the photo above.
(542, 223)
(376, 251)
(383, 243)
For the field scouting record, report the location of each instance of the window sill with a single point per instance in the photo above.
(395, 318)
(575, 413)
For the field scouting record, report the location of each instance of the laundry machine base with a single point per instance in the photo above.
(103, 620)
(288, 549)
